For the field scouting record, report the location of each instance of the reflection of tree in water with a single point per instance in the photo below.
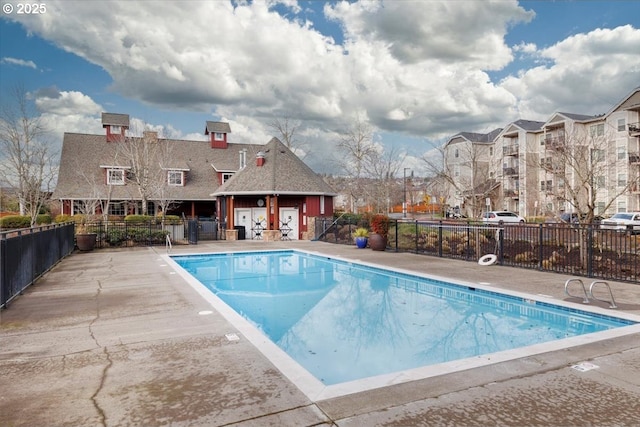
(472, 330)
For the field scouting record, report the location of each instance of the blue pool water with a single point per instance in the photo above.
(344, 321)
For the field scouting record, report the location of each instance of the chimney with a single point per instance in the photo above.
(150, 136)
(260, 158)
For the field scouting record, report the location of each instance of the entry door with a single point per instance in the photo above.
(243, 218)
(289, 223)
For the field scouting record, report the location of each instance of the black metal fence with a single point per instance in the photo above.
(581, 250)
(28, 253)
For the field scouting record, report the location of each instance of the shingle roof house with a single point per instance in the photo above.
(205, 179)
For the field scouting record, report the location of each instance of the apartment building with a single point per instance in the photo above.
(569, 163)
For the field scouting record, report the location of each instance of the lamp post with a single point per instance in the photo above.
(404, 197)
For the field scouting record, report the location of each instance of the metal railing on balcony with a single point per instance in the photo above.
(508, 171)
(510, 150)
(634, 157)
(634, 128)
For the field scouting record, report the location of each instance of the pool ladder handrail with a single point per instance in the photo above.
(584, 289)
(589, 294)
(168, 244)
(612, 303)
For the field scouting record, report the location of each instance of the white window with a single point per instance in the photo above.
(597, 155)
(622, 206)
(321, 205)
(491, 151)
(597, 130)
(116, 129)
(116, 208)
(218, 136)
(621, 125)
(175, 178)
(599, 182)
(456, 170)
(622, 180)
(456, 154)
(115, 176)
(622, 152)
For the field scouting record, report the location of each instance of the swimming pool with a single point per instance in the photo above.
(347, 323)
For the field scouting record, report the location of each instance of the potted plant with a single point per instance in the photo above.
(85, 239)
(380, 230)
(361, 236)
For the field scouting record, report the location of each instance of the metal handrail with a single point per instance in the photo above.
(566, 290)
(168, 244)
(329, 227)
(612, 303)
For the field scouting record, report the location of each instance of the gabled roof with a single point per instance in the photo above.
(476, 137)
(113, 119)
(217, 127)
(629, 102)
(84, 158)
(529, 125)
(282, 173)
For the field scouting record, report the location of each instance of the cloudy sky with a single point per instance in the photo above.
(418, 71)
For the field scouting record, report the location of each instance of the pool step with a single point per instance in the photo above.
(589, 294)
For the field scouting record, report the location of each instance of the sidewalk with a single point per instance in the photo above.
(115, 338)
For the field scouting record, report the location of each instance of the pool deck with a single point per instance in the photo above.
(115, 338)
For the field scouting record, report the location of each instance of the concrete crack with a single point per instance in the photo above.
(94, 397)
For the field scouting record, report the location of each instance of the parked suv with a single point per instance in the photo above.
(622, 221)
(500, 217)
(574, 218)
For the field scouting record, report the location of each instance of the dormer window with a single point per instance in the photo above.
(115, 176)
(218, 136)
(175, 178)
(116, 129)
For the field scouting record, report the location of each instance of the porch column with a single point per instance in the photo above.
(276, 214)
(230, 215)
(268, 207)
(193, 209)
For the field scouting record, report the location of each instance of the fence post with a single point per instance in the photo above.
(396, 235)
(540, 251)
(589, 251)
(416, 235)
(501, 245)
(440, 239)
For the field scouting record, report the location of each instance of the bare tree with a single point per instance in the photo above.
(580, 169)
(467, 171)
(28, 160)
(141, 155)
(286, 127)
(357, 149)
(383, 166)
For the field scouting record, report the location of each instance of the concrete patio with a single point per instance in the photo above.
(115, 338)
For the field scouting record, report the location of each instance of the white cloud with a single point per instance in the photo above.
(19, 62)
(587, 74)
(417, 68)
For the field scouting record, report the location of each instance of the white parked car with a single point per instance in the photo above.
(501, 217)
(622, 221)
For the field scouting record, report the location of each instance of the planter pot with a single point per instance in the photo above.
(361, 242)
(86, 242)
(377, 242)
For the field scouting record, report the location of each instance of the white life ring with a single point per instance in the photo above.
(488, 259)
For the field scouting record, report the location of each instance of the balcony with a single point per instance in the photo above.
(634, 129)
(514, 194)
(556, 143)
(510, 171)
(510, 150)
(634, 158)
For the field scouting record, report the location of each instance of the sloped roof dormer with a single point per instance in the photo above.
(218, 132)
(116, 125)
